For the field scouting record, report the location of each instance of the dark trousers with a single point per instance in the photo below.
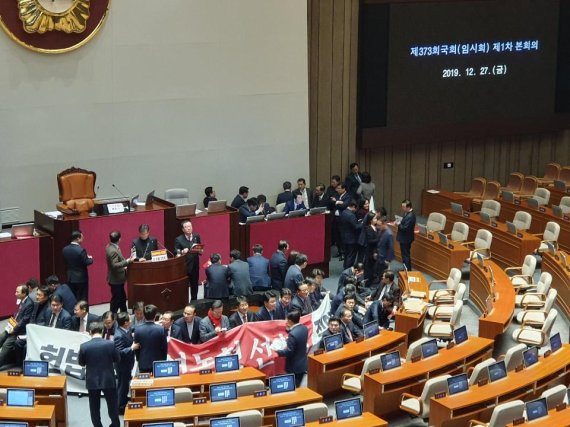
(350, 252)
(112, 407)
(8, 348)
(80, 290)
(118, 298)
(336, 234)
(123, 383)
(298, 378)
(405, 249)
(370, 265)
(193, 279)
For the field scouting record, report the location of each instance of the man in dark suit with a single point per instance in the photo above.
(381, 311)
(109, 325)
(353, 180)
(354, 272)
(82, 318)
(217, 285)
(241, 197)
(294, 274)
(349, 228)
(215, 323)
(348, 328)
(184, 245)
(278, 264)
(259, 269)
(338, 203)
(170, 329)
(189, 325)
(152, 340)
(295, 204)
(21, 319)
(40, 306)
(295, 352)
(238, 272)
(99, 357)
(250, 208)
(286, 195)
(283, 306)
(210, 196)
(267, 311)
(242, 314)
(76, 262)
(387, 288)
(333, 329)
(301, 301)
(406, 233)
(385, 247)
(319, 200)
(63, 291)
(144, 244)
(306, 192)
(349, 302)
(56, 316)
(126, 347)
(117, 272)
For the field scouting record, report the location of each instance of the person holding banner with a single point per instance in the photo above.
(215, 323)
(295, 352)
(16, 325)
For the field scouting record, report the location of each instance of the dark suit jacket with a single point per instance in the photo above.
(278, 264)
(356, 317)
(63, 320)
(38, 313)
(345, 199)
(353, 330)
(328, 333)
(175, 331)
(90, 318)
(116, 263)
(207, 329)
(67, 296)
(194, 337)
(152, 339)
(76, 261)
(244, 213)
(235, 319)
(294, 275)
(376, 312)
(99, 356)
(298, 304)
(349, 227)
(290, 206)
(284, 197)
(23, 316)
(406, 228)
(237, 202)
(296, 351)
(145, 247)
(218, 285)
(263, 314)
(281, 311)
(393, 292)
(207, 201)
(192, 260)
(386, 246)
(309, 198)
(259, 271)
(320, 202)
(123, 341)
(238, 272)
(352, 184)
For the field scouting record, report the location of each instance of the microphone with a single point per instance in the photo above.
(167, 250)
(96, 191)
(146, 247)
(118, 191)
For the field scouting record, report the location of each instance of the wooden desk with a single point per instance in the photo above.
(560, 279)
(479, 402)
(366, 420)
(554, 419)
(325, 370)
(539, 220)
(507, 249)
(430, 256)
(411, 324)
(556, 195)
(196, 381)
(442, 200)
(188, 411)
(49, 391)
(39, 415)
(497, 320)
(382, 391)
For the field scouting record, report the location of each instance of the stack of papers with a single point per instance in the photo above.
(414, 305)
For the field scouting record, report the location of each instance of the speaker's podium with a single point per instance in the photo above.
(162, 283)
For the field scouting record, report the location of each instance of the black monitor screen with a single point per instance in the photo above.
(166, 368)
(497, 371)
(429, 348)
(20, 397)
(36, 368)
(371, 329)
(333, 342)
(530, 356)
(457, 384)
(536, 409)
(555, 342)
(282, 383)
(221, 392)
(348, 408)
(225, 422)
(390, 360)
(460, 335)
(226, 363)
(160, 397)
(290, 418)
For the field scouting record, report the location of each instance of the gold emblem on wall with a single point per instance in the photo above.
(39, 16)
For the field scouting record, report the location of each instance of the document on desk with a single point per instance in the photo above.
(433, 191)
(414, 306)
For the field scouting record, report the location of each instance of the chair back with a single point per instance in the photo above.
(460, 232)
(565, 175)
(456, 315)
(372, 362)
(480, 371)
(280, 207)
(249, 418)
(415, 348)
(248, 387)
(554, 396)
(436, 221)
(542, 195)
(565, 204)
(515, 181)
(477, 187)
(551, 172)
(551, 231)
(492, 190)
(529, 265)
(431, 388)
(454, 278)
(514, 356)
(544, 282)
(315, 411)
(183, 394)
(483, 240)
(178, 196)
(460, 292)
(522, 220)
(505, 413)
(76, 189)
(548, 324)
(530, 183)
(491, 208)
(550, 299)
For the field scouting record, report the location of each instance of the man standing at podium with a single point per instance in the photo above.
(184, 245)
(144, 244)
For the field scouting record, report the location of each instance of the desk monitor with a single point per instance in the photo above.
(457, 384)
(223, 392)
(530, 356)
(20, 397)
(481, 259)
(511, 227)
(217, 206)
(551, 248)
(557, 211)
(226, 363)
(508, 196)
(348, 408)
(536, 409)
(497, 371)
(460, 335)
(158, 425)
(166, 368)
(224, 422)
(555, 342)
(442, 238)
(300, 212)
(316, 211)
(186, 210)
(21, 231)
(282, 383)
(14, 424)
(563, 259)
(290, 417)
(333, 342)
(559, 185)
(429, 348)
(36, 368)
(457, 208)
(255, 218)
(275, 215)
(390, 360)
(371, 329)
(423, 229)
(158, 397)
(485, 217)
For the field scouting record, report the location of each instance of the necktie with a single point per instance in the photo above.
(52, 320)
(349, 333)
(244, 318)
(358, 178)
(271, 315)
(81, 325)
(107, 334)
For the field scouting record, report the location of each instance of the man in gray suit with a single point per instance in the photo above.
(117, 272)
(238, 272)
(215, 323)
